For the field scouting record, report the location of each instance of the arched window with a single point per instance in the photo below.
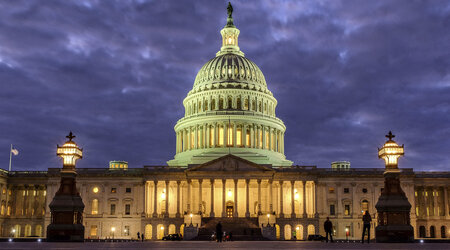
(230, 103)
(94, 206)
(205, 107)
(422, 233)
(213, 104)
(160, 231)
(148, 232)
(254, 105)
(245, 104)
(432, 232)
(199, 106)
(443, 229)
(182, 230)
(287, 232)
(221, 103)
(260, 107)
(171, 229)
(3, 209)
(239, 105)
(364, 206)
(299, 232)
(27, 230)
(38, 230)
(311, 230)
(16, 231)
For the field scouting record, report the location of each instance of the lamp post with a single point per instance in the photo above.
(191, 215)
(13, 232)
(393, 207)
(113, 229)
(346, 233)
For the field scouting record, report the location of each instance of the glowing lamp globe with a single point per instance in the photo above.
(70, 152)
(390, 152)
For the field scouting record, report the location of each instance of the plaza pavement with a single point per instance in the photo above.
(185, 245)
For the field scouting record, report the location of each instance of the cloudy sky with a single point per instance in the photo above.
(115, 73)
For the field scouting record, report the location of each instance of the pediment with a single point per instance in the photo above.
(230, 163)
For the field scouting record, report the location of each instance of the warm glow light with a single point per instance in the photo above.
(230, 40)
(296, 196)
(163, 195)
(268, 215)
(162, 228)
(14, 230)
(295, 190)
(297, 228)
(346, 230)
(390, 152)
(191, 215)
(113, 229)
(230, 193)
(95, 190)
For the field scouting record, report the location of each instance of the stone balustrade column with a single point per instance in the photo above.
(196, 139)
(167, 199)
(259, 196)
(200, 198)
(247, 198)
(244, 135)
(305, 214)
(223, 197)
(208, 136)
(215, 135)
(292, 200)
(155, 198)
(212, 198)
(235, 198)
(281, 200)
(316, 210)
(178, 215)
(270, 139)
(263, 131)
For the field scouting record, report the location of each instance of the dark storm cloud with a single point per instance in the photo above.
(116, 72)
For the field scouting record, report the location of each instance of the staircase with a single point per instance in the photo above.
(242, 228)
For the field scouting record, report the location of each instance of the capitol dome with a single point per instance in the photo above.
(230, 110)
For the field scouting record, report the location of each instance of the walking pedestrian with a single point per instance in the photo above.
(142, 236)
(366, 221)
(219, 232)
(139, 236)
(328, 226)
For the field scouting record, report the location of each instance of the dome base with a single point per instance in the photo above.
(200, 156)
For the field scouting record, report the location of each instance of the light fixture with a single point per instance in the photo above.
(162, 227)
(346, 229)
(70, 152)
(296, 196)
(163, 195)
(113, 229)
(390, 152)
(230, 193)
(95, 190)
(297, 228)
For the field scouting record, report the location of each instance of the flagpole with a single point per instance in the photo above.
(10, 156)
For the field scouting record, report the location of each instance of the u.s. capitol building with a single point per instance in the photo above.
(229, 166)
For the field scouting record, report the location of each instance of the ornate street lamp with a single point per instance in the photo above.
(67, 206)
(393, 207)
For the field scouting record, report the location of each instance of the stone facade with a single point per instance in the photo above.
(127, 200)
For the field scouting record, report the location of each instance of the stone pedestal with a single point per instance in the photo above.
(393, 209)
(269, 232)
(190, 232)
(66, 211)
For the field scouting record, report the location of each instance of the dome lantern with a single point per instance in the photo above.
(390, 152)
(230, 36)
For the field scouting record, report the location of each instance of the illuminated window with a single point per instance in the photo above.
(239, 137)
(417, 211)
(94, 230)
(45, 192)
(34, 193)
(199, 141)
(415, 193)
(3, 209)
(230, 136)
(364, 206)
(95, 190)
(4, 191)
(221, 136)
(192, 139)
(331, 190)
(273, 141)
(8, 211)
(260, 139)
(211, 136)
(347, 209)
(126, 231)
(113, 190)
(94, 206)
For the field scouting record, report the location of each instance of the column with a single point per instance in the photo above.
(435, 203)
(167, 198)
(146, 200)
(225, 134)
(305, 215)
(247, 211)
(223, 198)
(281, 200)
(259, 196)
(178, 215)
(271, 196)
(212, 198)
(188, 200)
(196, 137)
(235, 198)
(316, 211)
(155, 198)
(446, 201)
(354, 202)
(270, 139)
(244, 136)
(200, 199)
(234, 135)
(252, 136)
(215, 134)
(263, 131)
(208, 134)
(189, 138)
(292, 200)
